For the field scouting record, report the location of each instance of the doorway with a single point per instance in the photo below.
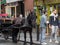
(12, 11)
(20, 8)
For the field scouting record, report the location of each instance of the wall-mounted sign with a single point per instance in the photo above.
(2, 1)
(13, 4)
(9, 1)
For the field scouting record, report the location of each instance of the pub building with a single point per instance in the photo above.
(53, 4)
(2, 6)
(17, 7)
(47, 5)
(12, 8)
(3, 15)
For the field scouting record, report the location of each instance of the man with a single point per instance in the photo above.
(53, 25)
(32, 18)
(17, 23)
(43, 27)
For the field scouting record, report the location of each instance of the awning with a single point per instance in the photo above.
(10, 1)
(3, 14)
(3, 1)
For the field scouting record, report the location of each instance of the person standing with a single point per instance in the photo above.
(17, 23)
(43, 27)
(32, 18)
(37, 25)
(53, 25)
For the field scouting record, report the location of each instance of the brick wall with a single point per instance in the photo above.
(28, 5)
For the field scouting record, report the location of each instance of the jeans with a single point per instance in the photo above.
(54, 32)
(42, 34)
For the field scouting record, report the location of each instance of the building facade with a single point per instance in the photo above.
(47, 5)
(14, 7)
(53, 4)
(2, 4)
(28, 5)
(17, 7)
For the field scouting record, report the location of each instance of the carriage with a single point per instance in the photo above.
(4, 23)
(27, 25)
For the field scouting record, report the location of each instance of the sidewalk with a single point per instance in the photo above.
(9, 41)
(35, 39)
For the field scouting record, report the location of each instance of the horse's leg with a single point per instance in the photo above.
(19, 35)
(25, 37)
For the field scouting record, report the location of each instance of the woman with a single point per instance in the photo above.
(53, 24)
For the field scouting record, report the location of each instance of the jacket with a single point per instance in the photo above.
(17, 20)
(43, 21)
(53, 20)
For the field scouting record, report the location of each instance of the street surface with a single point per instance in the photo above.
(9, 41)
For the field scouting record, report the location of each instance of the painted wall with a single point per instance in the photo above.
(28, 5)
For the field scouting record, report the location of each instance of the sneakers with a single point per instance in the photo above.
(50, 40)
(56, 41)
(44, 43)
